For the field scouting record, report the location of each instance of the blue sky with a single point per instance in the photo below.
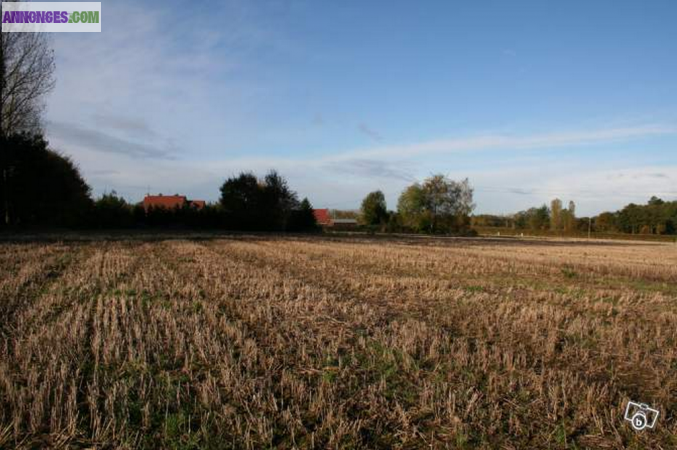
(530, 100)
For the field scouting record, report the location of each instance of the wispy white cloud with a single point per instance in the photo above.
(367, 168)
(482, 142)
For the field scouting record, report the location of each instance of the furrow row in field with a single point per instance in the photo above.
(45, 363)
(22, 281)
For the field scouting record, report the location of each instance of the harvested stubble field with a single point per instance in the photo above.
(259, 342)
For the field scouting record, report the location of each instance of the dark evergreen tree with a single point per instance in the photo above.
(40, 187)
(112, 211)
(303, 219)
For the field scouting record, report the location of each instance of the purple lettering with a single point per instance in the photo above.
(48, 17)
(64, 17)
(31, 17)
(7, 17)
(57, 15)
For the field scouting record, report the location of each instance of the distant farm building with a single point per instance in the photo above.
(170, 202)
(324, 219)
(344, 224)
(199, 204)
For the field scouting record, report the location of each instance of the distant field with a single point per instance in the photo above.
(503, 231)
(259, 342)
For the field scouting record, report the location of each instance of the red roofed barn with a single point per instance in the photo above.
(170, 202)
(323, 217)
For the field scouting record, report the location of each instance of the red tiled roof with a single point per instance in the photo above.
(164, 201)
(322, 216)
(199, 204)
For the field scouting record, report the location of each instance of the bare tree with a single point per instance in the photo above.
(27, 74)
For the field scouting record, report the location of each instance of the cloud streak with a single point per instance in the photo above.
(69, 136)
(369, 168)
(131, 126)
(485, 142)
(369, 132)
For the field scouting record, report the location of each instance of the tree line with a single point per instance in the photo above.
(555, 218)
(656, 217)
(42, 188)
